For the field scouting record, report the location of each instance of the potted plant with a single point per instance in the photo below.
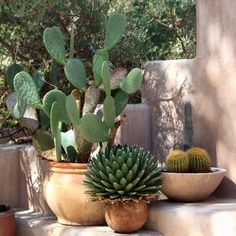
(63, 188)
(125, 177)
(7, 221)
(188, 176)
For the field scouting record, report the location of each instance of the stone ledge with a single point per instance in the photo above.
(38, 224)
(213, 217)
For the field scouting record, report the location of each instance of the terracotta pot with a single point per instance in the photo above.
(66, 196)
(7, 223)
(126, 217)
(191, 187)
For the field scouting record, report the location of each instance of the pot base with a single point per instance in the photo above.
(126, 217)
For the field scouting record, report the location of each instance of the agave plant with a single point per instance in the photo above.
(123, 173)
(77, 109)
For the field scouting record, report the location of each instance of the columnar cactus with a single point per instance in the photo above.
(88, 128)
(177, 161)
(188, 126)
(199, 160)
(123, 173)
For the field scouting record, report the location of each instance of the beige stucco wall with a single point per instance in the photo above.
(210, 85)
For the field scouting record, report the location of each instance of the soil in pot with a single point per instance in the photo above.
(126, 217)
(7, 221)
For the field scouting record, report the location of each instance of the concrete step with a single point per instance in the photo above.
(38, 224)
(213, 217)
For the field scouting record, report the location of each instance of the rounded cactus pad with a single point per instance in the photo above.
(199, 160)
(123, 173)
(177, 161)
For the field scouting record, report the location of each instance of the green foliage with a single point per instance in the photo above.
(93, 129)
(132, 82)
(75, 73)
(59, 97)
(199, 160)
(26, 89)
(106, 78)
(188, 126)
(55, 44)
(115, 29)
(11, 71)
(43, 140)
(55, 125)
(121, 99)
(123, 173)
(72, 111)
(109, 111)
(177, 161)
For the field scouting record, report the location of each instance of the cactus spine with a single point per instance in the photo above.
(177, 161)
(188, 126)
(199, 160)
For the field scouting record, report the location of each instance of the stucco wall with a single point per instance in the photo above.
(210, 85)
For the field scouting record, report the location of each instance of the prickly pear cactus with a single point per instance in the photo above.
(123, 173)
(54, 42)
(199, 160)
(177, 161)
(26, 89)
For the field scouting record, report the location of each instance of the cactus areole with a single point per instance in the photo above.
(76, 110)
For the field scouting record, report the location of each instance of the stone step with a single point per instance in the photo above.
(37, 224)
(213, 217)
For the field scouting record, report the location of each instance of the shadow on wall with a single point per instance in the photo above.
(165, 90)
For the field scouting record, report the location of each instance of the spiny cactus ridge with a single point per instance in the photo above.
(177, 161)
(199, 160)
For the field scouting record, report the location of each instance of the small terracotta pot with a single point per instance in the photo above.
(126, 217)
(7, 223)
(191, 187)
(66, 196)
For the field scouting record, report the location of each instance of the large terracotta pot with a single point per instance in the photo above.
(7, 221)
(191, 187)
(66, 196)
(126, 217)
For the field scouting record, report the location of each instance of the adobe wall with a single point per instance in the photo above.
(209, 82)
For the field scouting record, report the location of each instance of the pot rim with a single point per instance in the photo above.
(9, 212)
(215, 171)
(67, 165)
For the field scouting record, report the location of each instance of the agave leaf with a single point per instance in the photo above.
(104, 176)
(119, 174)
(110, 190)
(123, 182)
(140, 187)
(156, 180)
(124, 169)
(113, 196)
(108, 185)
(112, 178)
(129, 176)
(121, 192)
(129, 187)
(117, 186)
